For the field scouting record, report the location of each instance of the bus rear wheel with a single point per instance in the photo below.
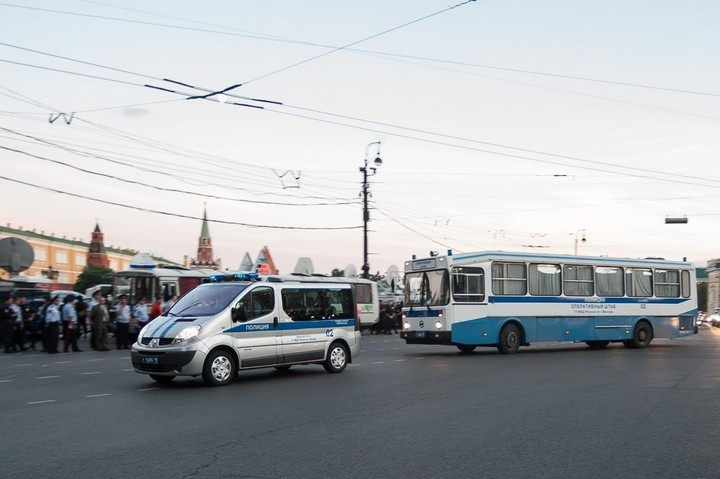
(597, 344)
(642, 335)
(509, 339)
(465, 348)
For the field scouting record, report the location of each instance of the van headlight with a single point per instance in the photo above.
(187, 334)
(142, 332)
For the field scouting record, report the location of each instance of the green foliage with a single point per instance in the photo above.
(338, 273)
(93, 275)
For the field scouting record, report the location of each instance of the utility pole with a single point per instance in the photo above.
(365, 193)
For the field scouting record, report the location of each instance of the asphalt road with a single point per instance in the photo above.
(399, 411)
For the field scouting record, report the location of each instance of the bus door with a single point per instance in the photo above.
(304, 332)
(257, 338)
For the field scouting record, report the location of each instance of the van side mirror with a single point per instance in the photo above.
(239, 314)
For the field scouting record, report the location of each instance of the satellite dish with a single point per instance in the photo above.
(393, 272)
(143, 261)
(350, 271)
(16, 255)
(304, 266)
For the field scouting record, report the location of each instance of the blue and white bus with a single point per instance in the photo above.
(508, 300)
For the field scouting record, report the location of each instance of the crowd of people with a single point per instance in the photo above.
(390, 318)
(23, 326)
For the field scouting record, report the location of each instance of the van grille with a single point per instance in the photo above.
(161, 341)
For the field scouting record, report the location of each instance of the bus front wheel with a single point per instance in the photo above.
(509, 339)
(465, 348)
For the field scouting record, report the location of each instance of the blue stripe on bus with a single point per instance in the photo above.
(422, 313)
(486, 330)
(593, 300)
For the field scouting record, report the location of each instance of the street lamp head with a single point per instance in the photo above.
(378, 161)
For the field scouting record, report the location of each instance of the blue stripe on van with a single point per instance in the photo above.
(160, 325)
(289, 326)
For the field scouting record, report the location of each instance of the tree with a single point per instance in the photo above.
(337, 273)
(93, 275)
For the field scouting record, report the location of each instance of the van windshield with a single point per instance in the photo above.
(207, 299)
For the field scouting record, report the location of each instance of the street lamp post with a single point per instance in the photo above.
(365, 193)
(577, 236)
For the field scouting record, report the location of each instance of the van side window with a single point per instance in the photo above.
(259, 302)
(317, 304)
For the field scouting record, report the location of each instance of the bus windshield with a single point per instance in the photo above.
(207, 300)
(427, 288)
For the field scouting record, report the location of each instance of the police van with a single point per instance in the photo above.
(238, 321)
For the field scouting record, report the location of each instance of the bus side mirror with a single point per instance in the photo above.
(239, 315)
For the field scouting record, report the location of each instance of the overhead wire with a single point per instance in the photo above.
(263, 37)
(177, 215)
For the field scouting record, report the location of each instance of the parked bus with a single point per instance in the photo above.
(366, 293)
(151, 281)
(508, 300)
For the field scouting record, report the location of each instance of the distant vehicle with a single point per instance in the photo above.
(714, 319)
(105, 289)
(63, 293)
(151, 281)
(508, 300)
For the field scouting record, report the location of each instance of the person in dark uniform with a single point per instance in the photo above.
(7, 324)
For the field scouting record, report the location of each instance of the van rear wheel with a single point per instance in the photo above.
(219, 368)
(337, 358)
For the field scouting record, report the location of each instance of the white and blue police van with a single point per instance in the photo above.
(238, 321)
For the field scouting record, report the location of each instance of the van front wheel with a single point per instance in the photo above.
(219, 368)
(337, 358)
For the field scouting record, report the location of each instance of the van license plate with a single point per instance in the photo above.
(420, 334)
(148, 360)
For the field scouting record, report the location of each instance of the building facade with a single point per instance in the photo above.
(61, 260)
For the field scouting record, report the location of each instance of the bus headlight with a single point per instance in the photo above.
(406, 325)
(187, 334)
(438, 324)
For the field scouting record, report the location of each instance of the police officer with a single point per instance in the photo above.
(7, 322)
(52, 326)
(19, 324)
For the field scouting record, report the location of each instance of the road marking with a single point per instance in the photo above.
(379, 362)
(419, 357)
(93, 372)
(4, 380)
(23, 365)
(42, 402)
(126, 370)
(400, 360)
(147, 389)
(47, 377)
(98, 395)
(60, 362)
(98, 359)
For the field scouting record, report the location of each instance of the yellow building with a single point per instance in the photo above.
(60, 259)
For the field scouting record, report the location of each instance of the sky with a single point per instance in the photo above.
(502, 125)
